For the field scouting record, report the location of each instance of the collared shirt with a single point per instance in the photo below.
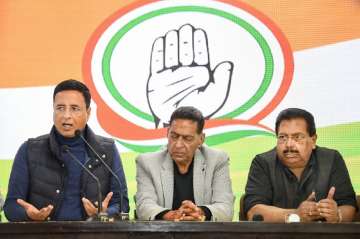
(272, 183)
(296, 190)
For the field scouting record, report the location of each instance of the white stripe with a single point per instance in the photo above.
(326, 83)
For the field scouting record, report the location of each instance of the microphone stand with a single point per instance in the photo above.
(100, 215)
(122, 215)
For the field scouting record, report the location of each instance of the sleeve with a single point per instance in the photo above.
(147, 207)
(114, 205)
(207, 212)
(222, 206)
(258, 188)
(340, 179)
(18, 187)
(161, 214)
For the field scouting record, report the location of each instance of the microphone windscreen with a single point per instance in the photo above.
(258, 217)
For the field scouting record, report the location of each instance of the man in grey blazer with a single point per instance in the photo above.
(185, 181)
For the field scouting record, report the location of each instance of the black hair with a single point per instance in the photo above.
(74, 85)
(190, 113)
(295, 113)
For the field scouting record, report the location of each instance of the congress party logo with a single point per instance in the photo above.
(149, 58)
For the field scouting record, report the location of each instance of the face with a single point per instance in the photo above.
(183, 140)
(294, 145)
(70, 112)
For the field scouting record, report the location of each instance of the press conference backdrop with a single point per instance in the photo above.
(245, 62)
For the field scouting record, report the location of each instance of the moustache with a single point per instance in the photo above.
(290, 151)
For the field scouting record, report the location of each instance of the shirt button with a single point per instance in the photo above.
(48, 218)
(90, 166)
(62, 165)
(103, 156)
(57, 191)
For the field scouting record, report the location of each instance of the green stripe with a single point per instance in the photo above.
(210, 140)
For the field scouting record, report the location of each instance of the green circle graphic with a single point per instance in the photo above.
(268, 57)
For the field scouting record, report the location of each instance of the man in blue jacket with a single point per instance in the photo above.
(46, 183)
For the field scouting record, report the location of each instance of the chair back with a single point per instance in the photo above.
(242, 215)
(357, 215)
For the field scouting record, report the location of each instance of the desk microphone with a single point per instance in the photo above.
(67, 150)
(122, 215)
(258, 218)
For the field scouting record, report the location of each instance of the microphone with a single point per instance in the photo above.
(258, 218)
(122, 215)
(67, 150)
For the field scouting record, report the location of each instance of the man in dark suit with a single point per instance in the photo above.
(298, 179)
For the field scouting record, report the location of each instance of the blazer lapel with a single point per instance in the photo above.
(199, 177)
(167, 180)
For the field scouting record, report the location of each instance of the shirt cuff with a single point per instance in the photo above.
(161, 214)
(207, 213)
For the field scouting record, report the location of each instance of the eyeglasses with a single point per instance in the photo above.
(297, 138)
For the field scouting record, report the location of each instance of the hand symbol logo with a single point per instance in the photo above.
(180, 75)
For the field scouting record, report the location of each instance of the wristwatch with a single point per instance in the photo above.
(292, 217)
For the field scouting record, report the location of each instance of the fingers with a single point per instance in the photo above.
(174, 215)
(328, 207)
(311, 197)
(331, 193)
(184, 46)
(191, 211)
(106, 201)
(329, 214)
(171, 49)
(188, 203)
(157, 56)
(24, 204)
(45, 211)
(90, 209)
(108, 198)
(201, 52)
(186, 54)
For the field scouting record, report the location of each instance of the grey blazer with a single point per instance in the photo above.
(211, 180)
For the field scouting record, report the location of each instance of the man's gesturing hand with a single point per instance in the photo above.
(180, 75)
(328, 207)
(91, 210)
(33, 213)
(308, 210)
